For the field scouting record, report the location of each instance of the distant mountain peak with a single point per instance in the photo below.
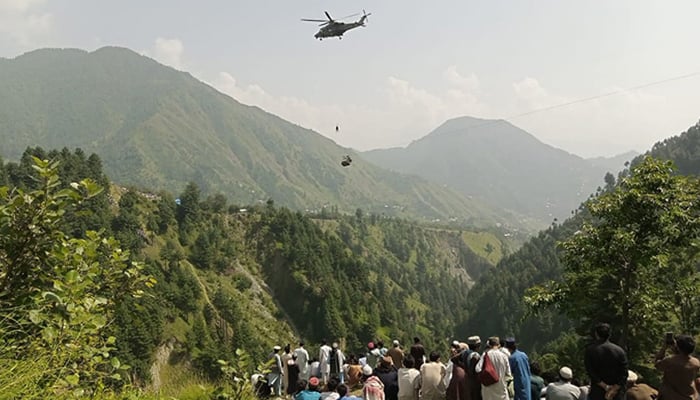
(156, 127)
(499, 163)
(477, 129)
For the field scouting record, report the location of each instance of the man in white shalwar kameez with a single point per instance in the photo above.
(498, 390)
(324, 360)
(302, 361)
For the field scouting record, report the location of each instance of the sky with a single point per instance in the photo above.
(416, 63)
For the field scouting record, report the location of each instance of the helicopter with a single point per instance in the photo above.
(334, 27)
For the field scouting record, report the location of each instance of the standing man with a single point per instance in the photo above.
(302, 361)
(472, 358)
(324, 360)
(274, 378)
(680, 369)
(432, 379)
(286, 357)
(563, 389)
(520, 369)
(409, 380)
(336, 361)
(396, 354)
(498, 390)
(606, 365)
(418, 352)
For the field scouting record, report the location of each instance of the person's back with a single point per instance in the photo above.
(389, 377)
(396, 355)
(302, 361)
(418, 352)
(606, 365)
(680, 370)
(498, 390)
(562, 391)
(408, 380)
(520, 369)
(432, 379)
(373, 389)
(641, 391)
(308, 395)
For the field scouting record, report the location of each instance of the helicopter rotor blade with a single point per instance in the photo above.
(349, 16)
(314, 20)
(329, 16)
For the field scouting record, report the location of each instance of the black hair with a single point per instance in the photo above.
(323, 341)
(332, 385)
(301, 343)
(380, 344)
(416, 340)
(342, 390)
(602, 330)
(535, 368)
(409, 361)
(287, 348)
(434, 356)
(301, 385)
(685, 343)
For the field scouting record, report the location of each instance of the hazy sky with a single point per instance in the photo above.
(416, 64)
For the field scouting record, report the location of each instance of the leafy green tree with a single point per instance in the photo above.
(633, 261)
(126, 225)
(166, 212)
(58, 294)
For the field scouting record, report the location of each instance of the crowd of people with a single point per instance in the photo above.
(498, 371)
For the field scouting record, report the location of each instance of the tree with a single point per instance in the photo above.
(58, 294)
(632, 260)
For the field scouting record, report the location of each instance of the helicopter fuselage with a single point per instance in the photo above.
(335, 29)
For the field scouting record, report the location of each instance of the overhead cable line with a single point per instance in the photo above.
(585, 99)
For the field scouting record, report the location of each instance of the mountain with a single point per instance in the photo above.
(498, 163)
(613, 164)
(157, 127)
(496, 300)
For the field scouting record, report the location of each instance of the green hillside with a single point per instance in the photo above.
(156, 127)
(497, 299)
(250, 278)
(500, 164)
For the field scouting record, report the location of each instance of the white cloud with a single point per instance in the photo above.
(465, 83)
(168, 52)
(401, 112)
(533, 96)
(614, 122)
(23, 24)
(406, 112)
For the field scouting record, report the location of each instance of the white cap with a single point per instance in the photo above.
(566, 373)
(631, 376)
(396, 342)
(276, 348)
(366, 370)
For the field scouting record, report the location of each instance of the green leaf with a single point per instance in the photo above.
(73, 379)
(51, 296)
(115, 362)
(71, 276)
(35, 317)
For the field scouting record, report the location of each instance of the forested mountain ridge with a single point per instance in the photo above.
(156, 127)
(499, 163)
(249, 278)
(496, 300)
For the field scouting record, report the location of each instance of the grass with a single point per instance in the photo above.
(478, 242)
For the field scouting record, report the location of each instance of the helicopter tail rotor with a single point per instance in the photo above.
(364, 17)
